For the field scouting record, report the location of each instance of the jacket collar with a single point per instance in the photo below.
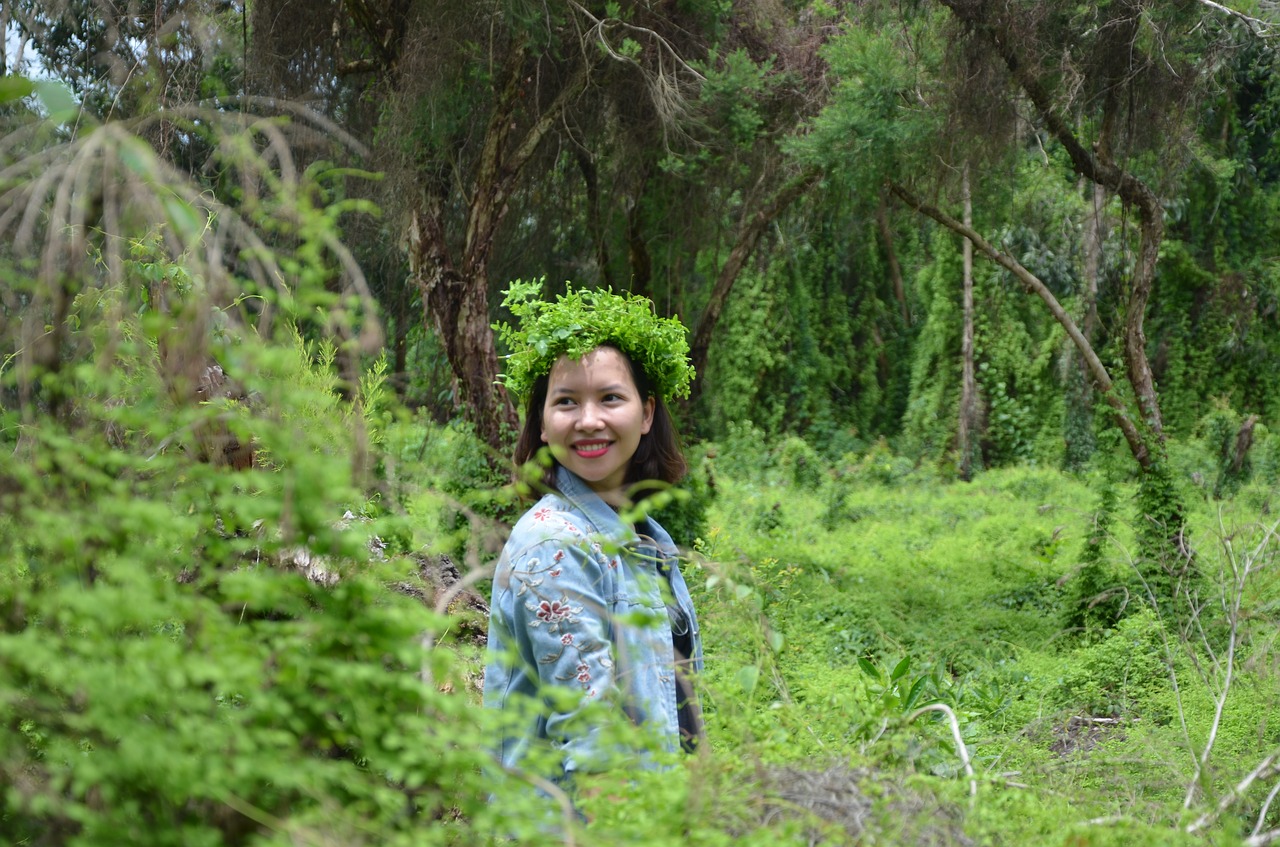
(602, 515)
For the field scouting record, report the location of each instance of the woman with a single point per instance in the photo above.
(583, 600)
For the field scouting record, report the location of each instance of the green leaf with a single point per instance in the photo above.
(136, 156)
(747, 677)
(57, 101)
(776, 641)
(914, 694)
(15, 88)
(900, 669)
(868, 667)
(185, 220)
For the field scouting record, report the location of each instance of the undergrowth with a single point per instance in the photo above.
(892, 658)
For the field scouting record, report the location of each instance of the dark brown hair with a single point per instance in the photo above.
(658, 457)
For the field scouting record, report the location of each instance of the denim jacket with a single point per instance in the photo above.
(578, 601)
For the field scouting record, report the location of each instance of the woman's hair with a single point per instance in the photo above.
(657, 457)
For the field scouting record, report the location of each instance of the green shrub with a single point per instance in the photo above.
(803, 466)
(1118, 674)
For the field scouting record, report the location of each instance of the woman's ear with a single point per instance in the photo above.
(649, 405)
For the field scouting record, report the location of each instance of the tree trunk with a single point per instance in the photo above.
(891, 255)
(595, 220)
(968, 381)
(1163, 530)
(1095, 234)
(1244, 440)
(1078, 434)
(455, 293)
(638, 259)
(457, 306)
(750, 229)
(1164, 525)
(1096, 165)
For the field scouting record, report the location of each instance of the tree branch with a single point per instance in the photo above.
(1256, 26)
(751, 227)
(1268, 767)
(961, 750)
(1033, 285)
(1098, 167)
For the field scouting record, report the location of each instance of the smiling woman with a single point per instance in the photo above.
(593, 418)
(584, 600)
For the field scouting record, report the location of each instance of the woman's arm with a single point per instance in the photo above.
(560, 618)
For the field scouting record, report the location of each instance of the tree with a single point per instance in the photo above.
(515, 145)
(1140, 88)
(968, 426)
(471, 99)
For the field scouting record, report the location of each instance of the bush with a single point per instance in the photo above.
(1119, 673)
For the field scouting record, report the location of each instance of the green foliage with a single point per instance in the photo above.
(175, 673)
(1098, 595)
(1166, 568)
(458, 496)
(801, 463)
(1124, 671)
(929, 422)
(870, 127)
(684, 514)
(957, 594)
(1220, 430)
(730, 94)
(740, 360)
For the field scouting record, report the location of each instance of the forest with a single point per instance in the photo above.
(983, 298)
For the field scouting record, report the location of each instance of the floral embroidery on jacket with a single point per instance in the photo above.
(553, 612)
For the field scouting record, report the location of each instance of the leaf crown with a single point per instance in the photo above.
(579, 321)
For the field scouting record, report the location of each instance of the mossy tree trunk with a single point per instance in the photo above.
(967, 431)
(453, 278)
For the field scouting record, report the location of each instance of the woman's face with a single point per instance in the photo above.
(593, 418)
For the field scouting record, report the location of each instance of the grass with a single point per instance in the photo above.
(1077, 737)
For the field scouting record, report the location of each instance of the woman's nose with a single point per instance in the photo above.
(590, 419)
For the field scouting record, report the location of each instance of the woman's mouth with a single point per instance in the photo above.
(591, 449)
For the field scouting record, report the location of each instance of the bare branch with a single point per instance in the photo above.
(1268, 767)
(667, 89)
(1262, 813)
(1263, 839)
(1258, 27)
(961, 750)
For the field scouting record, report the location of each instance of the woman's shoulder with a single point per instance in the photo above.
(553, 518)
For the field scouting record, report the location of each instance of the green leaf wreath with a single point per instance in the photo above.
(580, 320)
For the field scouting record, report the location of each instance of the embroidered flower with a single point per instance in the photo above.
(556, 572)
(542, 514)
(584, 673)
(554, 611)
(558, 556)
(567, 638)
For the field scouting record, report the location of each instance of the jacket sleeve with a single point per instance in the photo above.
(560, 606)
